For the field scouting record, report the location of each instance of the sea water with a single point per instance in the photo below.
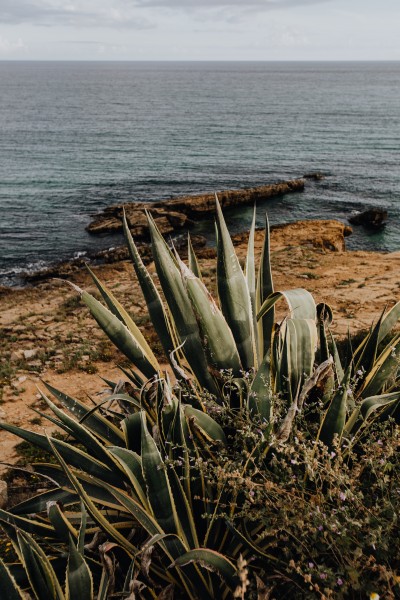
(76, 137)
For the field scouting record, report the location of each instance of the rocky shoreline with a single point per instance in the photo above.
(179, 213)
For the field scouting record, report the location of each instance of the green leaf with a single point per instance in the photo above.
(98, 424)
(119, 311)
(79, 582)
(265, 288)
(234, 295)
(159, 492)
(76, 457)
(193, 262)
(250, 271)
(335, 416)
(370, 405)
(38, 503)
(155, 307)
(300, 302)
(181, 309)
(212, 560)
(119, 334)
(29, 525)
(41, 575)
(93, 510)
(383, 372)
(8, 586)
(206, 424)
(83, 435)
(63, 528)
(260, 397)
(217, 338)
(132, 464)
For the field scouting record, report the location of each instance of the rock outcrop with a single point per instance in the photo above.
(373, 217)
(180, 213)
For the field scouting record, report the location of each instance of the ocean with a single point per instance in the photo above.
(76, 137)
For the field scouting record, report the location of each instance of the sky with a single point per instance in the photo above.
(199, 30)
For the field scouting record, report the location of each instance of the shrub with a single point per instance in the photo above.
(257, 466)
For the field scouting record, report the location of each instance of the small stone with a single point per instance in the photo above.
(30, 353)
(3, 494)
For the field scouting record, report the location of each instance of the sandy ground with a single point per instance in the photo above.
(46, 333)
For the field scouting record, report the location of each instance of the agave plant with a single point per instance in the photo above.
(137, 470)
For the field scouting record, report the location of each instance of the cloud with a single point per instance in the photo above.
(74, 13)
(10, 47)
(261, 5)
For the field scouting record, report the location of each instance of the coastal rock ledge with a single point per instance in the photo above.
(178, 213)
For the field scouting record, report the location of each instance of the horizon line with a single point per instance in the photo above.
(198, 60)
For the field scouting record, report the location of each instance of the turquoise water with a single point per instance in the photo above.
(76, 137)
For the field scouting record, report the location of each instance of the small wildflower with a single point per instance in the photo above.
(339, 581)
(311, 565)
(320, 528)
(333, 454)
(323, 575)
(342, 496)
(374, 596)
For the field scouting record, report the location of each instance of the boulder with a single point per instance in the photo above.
(373, 217)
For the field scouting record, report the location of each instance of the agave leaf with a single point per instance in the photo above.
(180, 308)
(8, 585)
(119, 311)
(76, 457)
(335, 417)
(83, 435)
(370, 405)
(132, 428)
(158, 487)
(383, 371)
(79, 581)
(216, 335)
(94, 490)
(368, 355)
(193, 262)
(157, 313)
(119, 334)
(336, 358)
(82, 529)
(38, 503)
(302, 341)
(250, 270)
(234, 295)
(171, 544)
(96, 514)
(300, 302)
(212, 560)
(98, 424)
(265, 288)
(209, 428)
(325, 317)
(389, 321)
(260, 397)
(63, 528)
(41, 575)
(29, 525)
(132, 464)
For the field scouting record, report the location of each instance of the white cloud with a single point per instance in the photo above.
(11, 46)
(85, 13)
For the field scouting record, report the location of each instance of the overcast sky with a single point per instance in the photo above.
(200, 29)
